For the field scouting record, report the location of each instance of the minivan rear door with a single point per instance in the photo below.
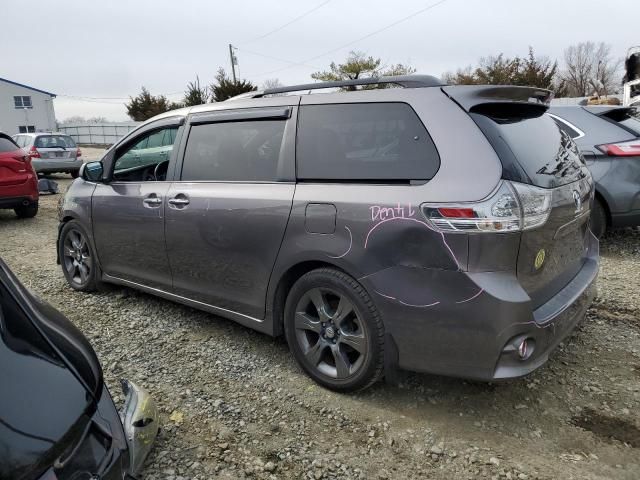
(533, 150)
(227, 212)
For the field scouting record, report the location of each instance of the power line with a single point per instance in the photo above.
(106, 100)
(277, 29)
(375, 32)
(250, 52)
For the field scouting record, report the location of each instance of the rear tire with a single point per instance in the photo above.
(74, 173)
(334, 330)
(27, 211)
(77, 258)
(598, 219)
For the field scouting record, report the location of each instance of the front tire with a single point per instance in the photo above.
(27, 211)
(334, 330)
(77, 258)
(598, 219)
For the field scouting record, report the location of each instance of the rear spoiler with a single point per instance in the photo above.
(484, 98)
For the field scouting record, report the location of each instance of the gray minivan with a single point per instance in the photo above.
(434, 228)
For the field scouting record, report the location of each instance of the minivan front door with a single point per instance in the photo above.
(226, 216)
(129, 210)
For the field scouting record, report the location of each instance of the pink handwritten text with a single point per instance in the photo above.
(379, 212)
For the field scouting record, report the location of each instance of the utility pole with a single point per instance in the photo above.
(234, 62)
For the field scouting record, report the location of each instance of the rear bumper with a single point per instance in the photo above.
(464, 323)
(50, 165)
(14, 202)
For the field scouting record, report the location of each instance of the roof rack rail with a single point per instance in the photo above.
(406, 81)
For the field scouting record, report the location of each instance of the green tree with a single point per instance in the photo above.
(530, 71)
(357, 65)
(195, 94)
(224, 88)
(144, 105)
(537, 72)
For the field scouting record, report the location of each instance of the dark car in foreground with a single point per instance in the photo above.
(57, 418)
(609, 139)
(18, 180)
(429, 227)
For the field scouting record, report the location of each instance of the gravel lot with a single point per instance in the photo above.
(235, 405)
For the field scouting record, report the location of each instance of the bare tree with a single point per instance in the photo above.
(606, 69)
(272, 83)
(590, 68)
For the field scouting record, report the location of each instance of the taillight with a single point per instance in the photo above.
(33, 152)
(513, 207)
(621, 149)
(78, 153)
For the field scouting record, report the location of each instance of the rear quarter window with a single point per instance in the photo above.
(7, 145)
(364, 141)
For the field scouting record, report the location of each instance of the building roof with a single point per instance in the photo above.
(27, 86)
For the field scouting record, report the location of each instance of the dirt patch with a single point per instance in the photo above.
(608, 428)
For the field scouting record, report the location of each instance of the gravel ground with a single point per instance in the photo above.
(235, 405)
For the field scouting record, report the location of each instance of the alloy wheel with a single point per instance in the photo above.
(330, 333)
(77, 257)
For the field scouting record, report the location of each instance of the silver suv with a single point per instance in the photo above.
(51, 152)
(434, 228)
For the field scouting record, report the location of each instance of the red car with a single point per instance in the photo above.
(18, 180)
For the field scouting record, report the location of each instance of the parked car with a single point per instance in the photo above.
(51, 152)
(608, 137)
(434, 228)
(57, 418)
(18, 181)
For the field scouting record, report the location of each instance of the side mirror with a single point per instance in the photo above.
(92, 171)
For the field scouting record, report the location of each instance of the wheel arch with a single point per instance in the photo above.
(285, 282)
(605, 204)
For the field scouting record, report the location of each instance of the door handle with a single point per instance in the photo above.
(179, 201)
(152, 201)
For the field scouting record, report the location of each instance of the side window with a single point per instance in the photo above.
(142, 160)
(155, 140)
(364, 141)
(234, 151)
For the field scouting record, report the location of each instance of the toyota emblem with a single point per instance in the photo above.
(577, 200)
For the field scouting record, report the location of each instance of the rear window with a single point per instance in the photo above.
(531, 146)
(7, 145)
(626, 117)
(364, 141)
(54, 141)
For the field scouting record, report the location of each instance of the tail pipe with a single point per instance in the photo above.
(140, 420)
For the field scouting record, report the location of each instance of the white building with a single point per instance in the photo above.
(25, 109)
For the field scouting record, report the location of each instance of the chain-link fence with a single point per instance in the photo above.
(98, 133)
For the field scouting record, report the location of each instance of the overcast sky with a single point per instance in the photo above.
(105, 51)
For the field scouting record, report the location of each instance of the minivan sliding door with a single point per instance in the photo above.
(226, 215)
